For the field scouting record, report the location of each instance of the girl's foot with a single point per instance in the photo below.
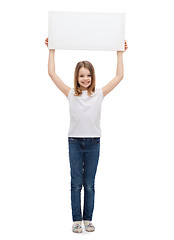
(77, 227)
(89, 227)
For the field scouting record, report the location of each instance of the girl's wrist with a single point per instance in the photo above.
(119, 52)
(51, 50)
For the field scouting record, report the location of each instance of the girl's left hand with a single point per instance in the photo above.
(125, 47)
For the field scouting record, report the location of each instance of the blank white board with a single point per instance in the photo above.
(86, 31)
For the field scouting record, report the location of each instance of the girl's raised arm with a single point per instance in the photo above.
(119, 74)
(51, 71)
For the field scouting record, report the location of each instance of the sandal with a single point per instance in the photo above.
(77, 228)
(89, 227)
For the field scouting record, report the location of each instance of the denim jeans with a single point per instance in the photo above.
(83, 155)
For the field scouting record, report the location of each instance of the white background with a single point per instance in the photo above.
(134, 182)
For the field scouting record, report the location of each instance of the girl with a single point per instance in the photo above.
(84, 133)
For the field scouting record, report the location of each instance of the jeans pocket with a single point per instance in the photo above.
(96, 140)
(71, 139)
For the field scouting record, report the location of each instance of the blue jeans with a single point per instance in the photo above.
(83, 155)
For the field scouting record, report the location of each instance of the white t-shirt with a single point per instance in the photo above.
(85, 112)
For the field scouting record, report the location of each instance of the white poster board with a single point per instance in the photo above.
(86, 31)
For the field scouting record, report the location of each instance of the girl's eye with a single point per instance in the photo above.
(88, 76)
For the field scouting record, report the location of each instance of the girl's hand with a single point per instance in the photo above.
(46, 41)
(50, 50)
(125, 47)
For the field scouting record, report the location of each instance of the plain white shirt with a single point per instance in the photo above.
(85, 112)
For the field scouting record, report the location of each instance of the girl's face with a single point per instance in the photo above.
(84, 78)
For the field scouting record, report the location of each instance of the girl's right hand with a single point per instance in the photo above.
(46, 41)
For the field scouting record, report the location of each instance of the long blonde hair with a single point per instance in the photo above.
(91, 88)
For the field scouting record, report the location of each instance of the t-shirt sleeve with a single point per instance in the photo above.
(101, 93)
(69, 94)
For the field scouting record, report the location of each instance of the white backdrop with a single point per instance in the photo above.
(134, 180)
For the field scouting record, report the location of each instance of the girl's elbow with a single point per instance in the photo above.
(122, 76)
(50, 73)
